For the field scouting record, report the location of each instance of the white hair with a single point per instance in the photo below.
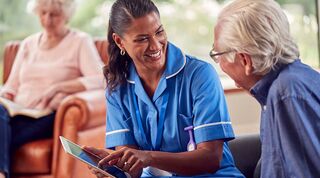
(67, 6)
(259, 28)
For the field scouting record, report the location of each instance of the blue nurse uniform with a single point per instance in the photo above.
(188, 94)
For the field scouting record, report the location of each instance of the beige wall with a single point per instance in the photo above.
(244, 112)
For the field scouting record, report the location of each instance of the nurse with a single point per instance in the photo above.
(155, 91)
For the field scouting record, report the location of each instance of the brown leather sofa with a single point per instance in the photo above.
(80, 118)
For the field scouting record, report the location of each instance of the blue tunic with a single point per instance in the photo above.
(290, 121)
(194, 98)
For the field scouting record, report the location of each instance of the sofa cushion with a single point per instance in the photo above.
(34, 157)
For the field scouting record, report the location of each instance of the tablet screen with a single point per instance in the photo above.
(91, 159)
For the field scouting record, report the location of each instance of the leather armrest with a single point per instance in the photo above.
(80, 111)
(83, 111)
(79, 116)
(93, 105)
(102, 47)
(10, 52)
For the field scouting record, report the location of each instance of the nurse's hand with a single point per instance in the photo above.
(97, 173)
(100, 153)
(129, 160)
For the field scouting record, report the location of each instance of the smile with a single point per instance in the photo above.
(154, 55)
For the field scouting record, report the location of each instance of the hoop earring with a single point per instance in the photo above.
(122, 52)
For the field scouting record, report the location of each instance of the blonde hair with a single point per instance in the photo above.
(67, 6)
(259, 28)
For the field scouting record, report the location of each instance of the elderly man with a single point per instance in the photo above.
(253, 46)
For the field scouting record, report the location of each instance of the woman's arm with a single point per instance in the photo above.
(205, 159)
(102, 153)
(55, 94)
(90, 65)
(8, 96)
(68, 87)
(91, 77)
(10, 88)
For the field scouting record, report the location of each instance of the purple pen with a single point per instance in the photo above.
(191, 144)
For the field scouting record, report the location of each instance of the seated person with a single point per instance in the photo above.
(49, 66)
(155, 92)
(254, 47)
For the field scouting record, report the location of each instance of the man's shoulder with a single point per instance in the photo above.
(296, 80)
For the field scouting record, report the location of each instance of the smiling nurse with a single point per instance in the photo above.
(154, 92)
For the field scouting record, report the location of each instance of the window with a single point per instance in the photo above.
(189, 23)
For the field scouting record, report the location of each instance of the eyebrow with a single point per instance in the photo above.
(144, 35)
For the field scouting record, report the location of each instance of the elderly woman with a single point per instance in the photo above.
(165, 116)
(49, 66)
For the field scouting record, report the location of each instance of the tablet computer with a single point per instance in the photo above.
(91, 159)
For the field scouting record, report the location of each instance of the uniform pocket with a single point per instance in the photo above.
(184, 121)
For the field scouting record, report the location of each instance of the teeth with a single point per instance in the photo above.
(155, 54)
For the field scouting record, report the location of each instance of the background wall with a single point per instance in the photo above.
(244, 112)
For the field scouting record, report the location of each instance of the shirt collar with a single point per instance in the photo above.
(261, 89)
(176, 60)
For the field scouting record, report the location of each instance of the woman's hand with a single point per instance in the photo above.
(97, 173)
(129, 160)
(45, 98)
(56, 100)
(67, 87)
(7, 96)
(101, 153)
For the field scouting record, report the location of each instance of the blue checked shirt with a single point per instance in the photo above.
(290, 121)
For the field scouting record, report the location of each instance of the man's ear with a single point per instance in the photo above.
(118, 40)
(246, 61)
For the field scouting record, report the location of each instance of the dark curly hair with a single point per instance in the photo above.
(123, 12)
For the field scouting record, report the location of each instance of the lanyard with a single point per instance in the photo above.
(156, 145)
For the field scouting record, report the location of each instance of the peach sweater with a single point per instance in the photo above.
(35, 70)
